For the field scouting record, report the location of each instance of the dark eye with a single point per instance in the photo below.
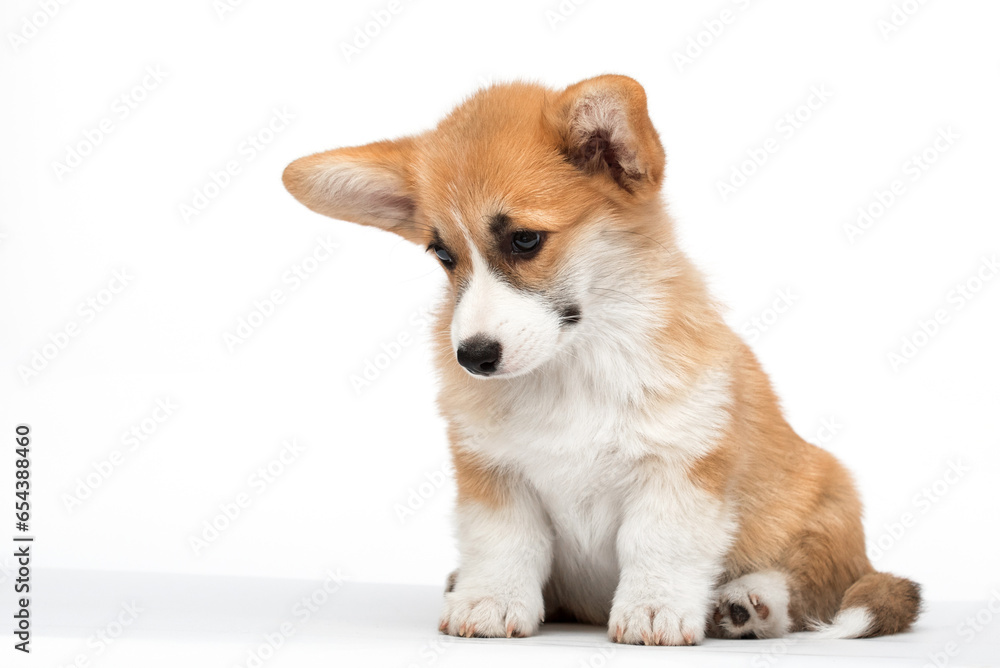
(525, 241)
(442, 255)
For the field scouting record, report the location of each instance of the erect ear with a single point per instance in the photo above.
(606, 131)
(370, 185)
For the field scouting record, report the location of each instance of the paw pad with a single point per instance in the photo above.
(738, 614)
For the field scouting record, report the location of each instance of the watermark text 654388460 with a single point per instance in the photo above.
(22, 540)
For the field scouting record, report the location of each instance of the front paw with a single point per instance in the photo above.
(491, 614)
(653, 621)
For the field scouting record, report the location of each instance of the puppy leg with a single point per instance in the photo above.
(752, 606)
(670, 547)
(505, 544)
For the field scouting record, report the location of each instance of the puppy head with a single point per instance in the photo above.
(520, 194)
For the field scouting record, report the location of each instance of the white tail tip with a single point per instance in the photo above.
(849, 623)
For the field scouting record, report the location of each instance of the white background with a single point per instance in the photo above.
(336, 506)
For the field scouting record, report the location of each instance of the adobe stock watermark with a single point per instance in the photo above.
(223, 8)
(218, 180)
(32, 24)
(921, 503)
(431, 652)
(956, 299)
(122, 107)
(899, 15)
(704, 38)
(433, 481)
(967, 631)
(301, 612)
(417, 496)
(379, 19)
(257, 483)
(911, 171)
(390, 350)
(99, 642)
(8, 570)
(599, 658)
(292, 279)
(829, 428)
(786, 127)
(40, 358)
(774, 650)
(559, 13)
(755, 327)
(132, 439)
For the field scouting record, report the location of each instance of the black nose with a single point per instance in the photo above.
(479, 355)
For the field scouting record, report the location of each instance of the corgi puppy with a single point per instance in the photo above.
(620, 456)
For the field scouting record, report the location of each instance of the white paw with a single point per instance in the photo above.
(486, 614)
(656, 622)
(753, 606)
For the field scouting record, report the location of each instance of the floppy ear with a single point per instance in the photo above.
(369, 185)
(606, 131)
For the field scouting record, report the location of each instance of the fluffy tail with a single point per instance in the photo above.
(878, 604)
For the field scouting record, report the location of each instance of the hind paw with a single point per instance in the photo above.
(753, 606)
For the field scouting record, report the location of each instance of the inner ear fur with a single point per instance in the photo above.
(369, 185)
(606, 132)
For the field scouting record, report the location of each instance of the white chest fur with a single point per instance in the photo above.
(575, 437)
